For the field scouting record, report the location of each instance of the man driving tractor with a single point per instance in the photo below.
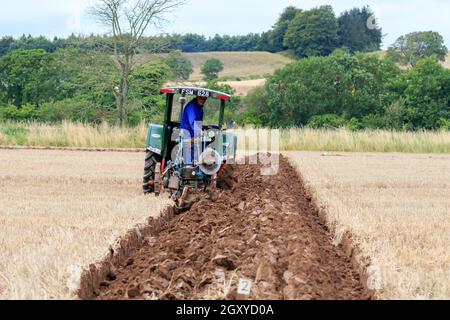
(191, 127)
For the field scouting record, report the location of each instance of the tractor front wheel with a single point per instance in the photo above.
(148, 184)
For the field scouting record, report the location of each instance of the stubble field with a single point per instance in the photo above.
(397, 209)
(60, 211)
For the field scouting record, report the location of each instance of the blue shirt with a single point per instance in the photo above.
(192, 119)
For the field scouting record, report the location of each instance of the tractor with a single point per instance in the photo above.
(166, 168)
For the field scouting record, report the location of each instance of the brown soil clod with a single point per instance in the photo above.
(265, 229)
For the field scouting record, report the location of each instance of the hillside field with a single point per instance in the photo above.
(243, 65)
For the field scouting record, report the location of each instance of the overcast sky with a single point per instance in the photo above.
(208, 17)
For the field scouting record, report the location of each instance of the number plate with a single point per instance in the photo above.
(193, 92)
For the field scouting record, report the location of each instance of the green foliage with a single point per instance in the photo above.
(444, 124)
(26, 112)
(75, 110)
(302, 90)
(340, 84)
(354, 124)
(313, 32)
(366, 90)
(82, 89)
(145, 85)
(86, 74)
(255, 108)
(427, 96)
(212, 109)
(358, 31)
(277, 34)
(326, 121)
(409, 49)
(30, 43)
(28, 76)
(14, 134)
(372, 121)
(5, 45)
(181, 66)
(395, 116)
(211, 69)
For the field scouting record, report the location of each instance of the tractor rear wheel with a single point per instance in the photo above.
(148, 184)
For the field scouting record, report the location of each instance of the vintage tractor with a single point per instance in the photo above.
(166, 168)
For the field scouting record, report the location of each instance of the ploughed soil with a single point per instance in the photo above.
(264, 236)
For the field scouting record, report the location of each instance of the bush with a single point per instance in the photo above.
(76, 110)
(26, 112)
(255, 108)
(326, 121)
(211, 69)
(354, 124)
(444, 124)
(372, 121)
(180, 65)
(395, 116)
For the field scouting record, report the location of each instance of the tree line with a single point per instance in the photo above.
(79, 85)
(354, 91)
(335, 82)
(300, 32)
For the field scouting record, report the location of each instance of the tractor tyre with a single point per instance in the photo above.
(226, 179)
(151, 159)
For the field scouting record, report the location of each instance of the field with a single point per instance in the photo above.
(243, 71)
(397, 209)
(239, 64)
(60, 211)
(104, 136)
(263, 232)
(386, 215)
(243, 65)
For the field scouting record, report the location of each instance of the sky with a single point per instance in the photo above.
(209, 17)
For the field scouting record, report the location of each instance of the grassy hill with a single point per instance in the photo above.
(238, 65)
(244, 65)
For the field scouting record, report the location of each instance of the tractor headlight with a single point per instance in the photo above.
(211, 134)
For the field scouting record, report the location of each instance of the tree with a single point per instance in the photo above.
(216, 43)
(264, 42)
(409, 49)
(5, 45)
(276, 36)
(211, 69)
(193, 43)
(127, 21)
(89, 75)
(181, 66)
(341, 84)
(28, 76)
(313, 32)
(358, 30)
(427, 98)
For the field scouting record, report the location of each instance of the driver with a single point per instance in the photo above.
(191, 127)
